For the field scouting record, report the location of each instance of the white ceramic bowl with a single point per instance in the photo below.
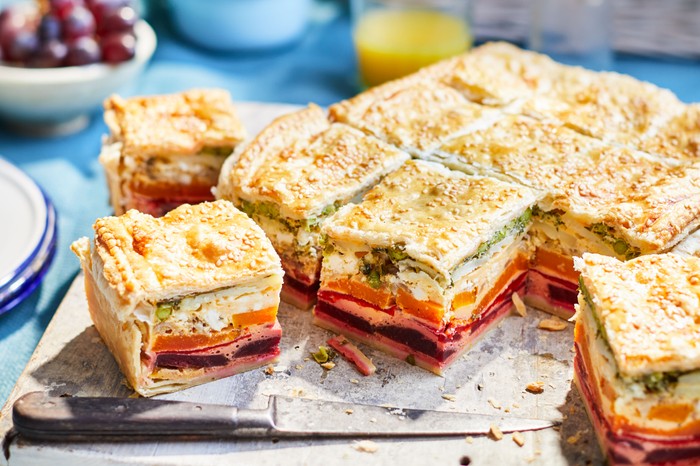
(53, 101)
(240, 24)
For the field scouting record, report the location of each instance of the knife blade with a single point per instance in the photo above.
(39, 416)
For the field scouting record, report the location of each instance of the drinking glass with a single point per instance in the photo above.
(575, 32)
(394, 38)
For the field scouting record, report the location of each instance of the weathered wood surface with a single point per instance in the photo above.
(491, 379)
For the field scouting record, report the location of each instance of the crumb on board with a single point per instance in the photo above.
(518, 438)
(269, 370)
(365, 446)
(535, 387)
(373, 419)
(495, 433)
(573, 439)
(553, 324)
(299, 367)
(494, 403)
(349, 411)
(328, 365)
(355, 381)
(469, 439)
(519, 305)
(448, 397)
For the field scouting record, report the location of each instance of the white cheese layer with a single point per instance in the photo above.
(206, 312)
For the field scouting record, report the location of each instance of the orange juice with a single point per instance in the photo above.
(394, 43)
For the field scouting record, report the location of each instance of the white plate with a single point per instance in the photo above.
(23, 221)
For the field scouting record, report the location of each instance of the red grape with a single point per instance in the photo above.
(22, 46)
(14, 19)
(50, 55)
(100, 7)
(78, 23)
(49, 28)
(118, 47)
(83, 51)
(62, 8)
(117, 20)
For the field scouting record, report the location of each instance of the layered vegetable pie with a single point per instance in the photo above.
(167, 150)
(637, 363)
(183, 299)
(426, 262)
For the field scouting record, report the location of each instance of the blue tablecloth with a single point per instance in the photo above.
(320, 68)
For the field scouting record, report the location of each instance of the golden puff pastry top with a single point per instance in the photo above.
(302, 163)
(498, 73)
(419, 117)
(179, 124)
(439, 216)
(651, 203)
(679, 138)
(607, 106)
(536, 153)
(192, 249)
(649, 308)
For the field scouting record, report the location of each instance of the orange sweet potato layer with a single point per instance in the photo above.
(563, 265)
(190, 342)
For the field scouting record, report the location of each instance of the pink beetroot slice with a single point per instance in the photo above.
(351, 352)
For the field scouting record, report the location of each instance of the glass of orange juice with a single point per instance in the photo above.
(394, 38)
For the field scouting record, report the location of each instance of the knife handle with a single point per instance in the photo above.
(39, 416)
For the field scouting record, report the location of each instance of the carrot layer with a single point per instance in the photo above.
(189, 342)
(561, 264)
(427, 310)
(514, 268)
(359, 290)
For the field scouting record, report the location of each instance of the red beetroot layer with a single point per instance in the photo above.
(300, 294)
(557, 292)
(628, 448)
(221, 355)
(438, 345)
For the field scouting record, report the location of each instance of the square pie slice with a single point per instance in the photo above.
(548, 157)
(608, 106)
(425, 263)
(167, 150)
(183, 299)
(293, 176)
(637, 363)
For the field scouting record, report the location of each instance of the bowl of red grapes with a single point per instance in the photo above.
(59, 59)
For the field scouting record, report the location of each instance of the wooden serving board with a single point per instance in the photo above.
(491, 379)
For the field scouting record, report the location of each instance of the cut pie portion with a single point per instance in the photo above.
(183, 299)
(425, 263)
(295, 174)
(167, 150)
(637, 362)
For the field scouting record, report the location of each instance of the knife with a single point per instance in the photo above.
(39, 416)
